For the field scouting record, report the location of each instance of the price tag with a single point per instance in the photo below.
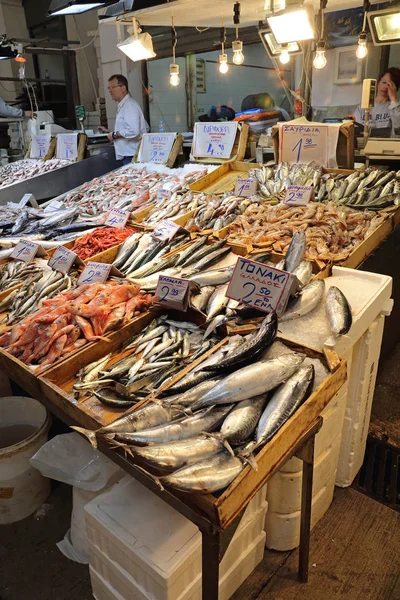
(40, 146)
(246, 187)
(25, 251)
(54, 205)
(260, 286)
(166, 230)
(156, 147)
(94, 272)
(214, 140)
(67, 146)
(117, 218)
(28, 198)
(63, 259)
(298, 195)
(173, 292)
(304, 143)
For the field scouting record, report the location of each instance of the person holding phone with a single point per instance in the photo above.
(384, 118)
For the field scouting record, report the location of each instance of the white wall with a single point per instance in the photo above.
(327, 94)
(167, 102)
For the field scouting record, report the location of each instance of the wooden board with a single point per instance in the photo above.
(223, 179)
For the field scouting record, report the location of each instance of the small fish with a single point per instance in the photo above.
(338, 311)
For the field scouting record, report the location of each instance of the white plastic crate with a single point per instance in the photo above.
(156, 546)
(112, 584)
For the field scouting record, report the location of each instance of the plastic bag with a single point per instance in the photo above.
(71, 459)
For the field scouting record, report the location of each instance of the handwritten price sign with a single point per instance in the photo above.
(63, 259)
(94, 272)
(156, 147)
(173, 292)
(214, 140)
(304, 143)
(67, 146)
(246, 187)
(298, 195)
(40, 146)
(25, 251)
(117, 218)
(166, 230)
(260, 286)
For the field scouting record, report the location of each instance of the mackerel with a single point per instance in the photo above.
(338, 311)
(242, 421)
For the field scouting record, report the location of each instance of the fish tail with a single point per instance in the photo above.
(157, 480)
(91, 435)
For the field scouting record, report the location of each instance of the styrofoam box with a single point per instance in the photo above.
(113, 584)
(151, 541)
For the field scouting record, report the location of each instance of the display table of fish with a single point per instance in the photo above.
(20, 170)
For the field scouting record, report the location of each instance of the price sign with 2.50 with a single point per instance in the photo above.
(260, 286)
(94, 272)
(173, 292)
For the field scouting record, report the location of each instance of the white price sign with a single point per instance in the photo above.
(28, 198)
(67, 146)
(298, 195)
(156, 147)
(246, 187)
(260, 286)
(25, 251)
(54, 205)
(40, 146)
(214, 140)
(63, 259)
(173, 292)
(117, 218)
(304, 143)
(166, 230)
(94, 272)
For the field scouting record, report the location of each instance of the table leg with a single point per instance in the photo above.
(306, 501)
(210, 565)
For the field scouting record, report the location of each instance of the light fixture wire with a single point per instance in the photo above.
(174, 39)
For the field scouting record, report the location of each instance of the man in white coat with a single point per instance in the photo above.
(130, 123)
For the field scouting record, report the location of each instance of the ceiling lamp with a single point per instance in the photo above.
(284, 56)
(138, 46)
(237, 45)
(362, 48)
(173, 67)
(223, 58)
(20, 56)
(73, 7)
(292, 25)
(273, 48)
(319, 61)
(384, 25)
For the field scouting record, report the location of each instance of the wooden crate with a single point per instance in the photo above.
(238, 150)
(344, 149)
(223, 178)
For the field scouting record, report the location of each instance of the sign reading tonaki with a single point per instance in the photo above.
(304, 143)
(156, 147)
(258, 285)
(67, 146)
(214, 140)
(40, 146)
(298, 195)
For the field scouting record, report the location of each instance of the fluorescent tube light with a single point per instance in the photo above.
(384, 26)
(73, 7)
(292, 25)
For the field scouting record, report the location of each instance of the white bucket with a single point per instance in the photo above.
(24, 427)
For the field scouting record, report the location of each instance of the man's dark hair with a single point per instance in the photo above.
(122, 80)
(394, 73)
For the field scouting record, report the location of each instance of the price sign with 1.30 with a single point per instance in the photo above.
(63, 259)
(173, 292)
(166, 230)
(25, 251)
(246, 187)
(117, 218)
(298, 195)
(94, 272)
(260, 286)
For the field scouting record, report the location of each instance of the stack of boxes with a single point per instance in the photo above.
(141, 548)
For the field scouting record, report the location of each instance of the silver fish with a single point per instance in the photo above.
(304, 272)
(308, 299)
(296, 251)
(242, 421)
(338, 311)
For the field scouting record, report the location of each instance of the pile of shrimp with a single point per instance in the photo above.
(73, 318)
(332, 231)
(99, 240)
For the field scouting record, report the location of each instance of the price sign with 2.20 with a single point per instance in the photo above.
(173, 292)
(94, 272)
(260, 286)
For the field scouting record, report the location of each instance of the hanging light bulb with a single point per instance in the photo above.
(284, 55)
(319, 61)
(174, 74)
(223, 63)
(20, 56)
(237, 45)
(362, 49)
